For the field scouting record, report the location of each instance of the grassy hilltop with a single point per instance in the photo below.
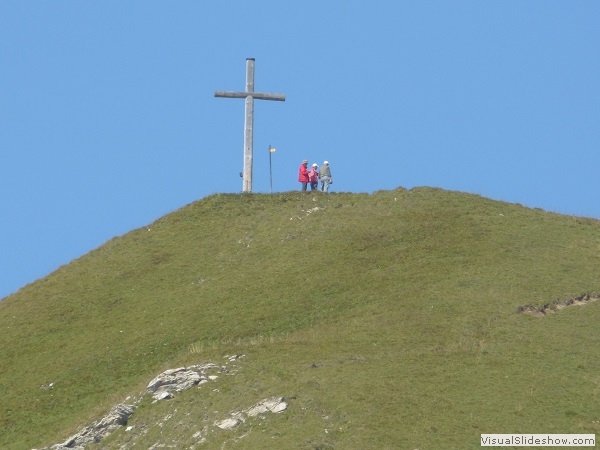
(386, 321)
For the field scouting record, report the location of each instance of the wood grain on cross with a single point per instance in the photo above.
(249, 95)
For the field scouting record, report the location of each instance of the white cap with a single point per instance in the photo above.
(315, 165)
(326, 162)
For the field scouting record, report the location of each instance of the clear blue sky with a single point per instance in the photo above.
(108, 118)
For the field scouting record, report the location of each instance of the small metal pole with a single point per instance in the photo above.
(271, 150)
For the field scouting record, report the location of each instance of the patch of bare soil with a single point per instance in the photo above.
(557, 305)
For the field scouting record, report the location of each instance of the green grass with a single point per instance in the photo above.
(387, 321)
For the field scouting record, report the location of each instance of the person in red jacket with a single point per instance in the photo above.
(303, 174)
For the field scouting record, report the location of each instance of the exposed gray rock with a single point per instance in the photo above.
(117, 417)
(228, 424)
(273, 405)
(162, 387)
(162, 395)
(177, 380)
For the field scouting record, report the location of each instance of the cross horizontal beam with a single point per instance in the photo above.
(256, 95)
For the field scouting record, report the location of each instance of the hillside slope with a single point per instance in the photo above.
(388, 321)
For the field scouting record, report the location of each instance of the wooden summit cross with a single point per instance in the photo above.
(249, 95)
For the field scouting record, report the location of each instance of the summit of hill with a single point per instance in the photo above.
(414, 318)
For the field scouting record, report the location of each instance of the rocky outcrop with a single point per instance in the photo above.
(177, 380)
(116, 418)
(162, 387)
(557, 305)
(273, 405)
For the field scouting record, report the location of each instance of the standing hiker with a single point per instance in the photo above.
(313, 176)
(325, 176)
(303, 174)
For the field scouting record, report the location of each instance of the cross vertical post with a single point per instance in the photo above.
(248, 127)
(249, 95)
